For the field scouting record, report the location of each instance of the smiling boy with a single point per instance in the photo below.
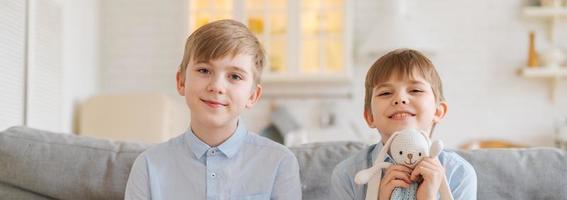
(217, 158)
(403, 90)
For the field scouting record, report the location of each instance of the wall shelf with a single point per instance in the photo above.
(551, 14)
(545, 12)
(544, 72)
(553, 74)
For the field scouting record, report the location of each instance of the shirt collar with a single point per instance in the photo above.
(377, 149)
(229, 147)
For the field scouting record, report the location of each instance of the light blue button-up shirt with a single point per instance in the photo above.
(460, 175)
(246, 166)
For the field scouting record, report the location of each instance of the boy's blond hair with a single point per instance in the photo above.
(405, 63)
(223, 38)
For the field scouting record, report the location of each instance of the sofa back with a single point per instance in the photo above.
(36, 164)
(64, 166)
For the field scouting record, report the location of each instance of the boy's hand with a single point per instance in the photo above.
(395, 176)
(433, 174)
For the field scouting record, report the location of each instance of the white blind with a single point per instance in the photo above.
(44, 66)
(12, 46)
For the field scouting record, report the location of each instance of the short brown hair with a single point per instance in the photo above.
(404, 63)
(222, 38)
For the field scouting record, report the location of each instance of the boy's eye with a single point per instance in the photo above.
(384, 93)
(235, 77)
(203, 71)
(416, 91)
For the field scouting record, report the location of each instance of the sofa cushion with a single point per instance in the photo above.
(65, 166)
(316, 163)
(534, 173)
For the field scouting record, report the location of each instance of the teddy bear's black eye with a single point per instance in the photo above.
(419, 153)
(401, 153)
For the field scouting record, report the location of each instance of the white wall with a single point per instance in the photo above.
(63, 61)
(478, 46)
(44, 65)
(142, 44)
(81, 55)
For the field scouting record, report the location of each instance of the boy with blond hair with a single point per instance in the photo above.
(217, 158)
(403, 90)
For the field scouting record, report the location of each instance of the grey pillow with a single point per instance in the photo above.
(65, 166)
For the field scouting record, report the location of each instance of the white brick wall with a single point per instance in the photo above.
(478, 46)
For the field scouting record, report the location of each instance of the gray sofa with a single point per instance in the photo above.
(36, 164)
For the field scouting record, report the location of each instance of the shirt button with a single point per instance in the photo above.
(213, 175)
(213, 152)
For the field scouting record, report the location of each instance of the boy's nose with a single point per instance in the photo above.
(216, 86)
(400, 101)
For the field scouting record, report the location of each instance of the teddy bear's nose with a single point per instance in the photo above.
(410, 156)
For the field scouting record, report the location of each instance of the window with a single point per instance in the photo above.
(305, 40)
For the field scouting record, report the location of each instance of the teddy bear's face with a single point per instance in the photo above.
(408, 148)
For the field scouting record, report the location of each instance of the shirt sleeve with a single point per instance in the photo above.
(341, 184)
(287, 184)
(463, 182)
(138, 185)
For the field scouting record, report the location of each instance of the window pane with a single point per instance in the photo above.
(256, 24)
(334, 56)
(200, 5)
(278, 4)
(310, 4)
(278, 23)
(254, 5)
(309, 23)
(310, 56)
(200, 19)
(278, 55)
(223, 5)
(334, 3)
(333, 21)
(223, 15)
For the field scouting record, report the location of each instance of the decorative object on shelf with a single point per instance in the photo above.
(490, 143)
(550, 3)
(553, 57)
(532, 54)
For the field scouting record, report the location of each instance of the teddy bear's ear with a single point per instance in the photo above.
(436, 148)
(385, 149)
(389, 142)
(424, 134)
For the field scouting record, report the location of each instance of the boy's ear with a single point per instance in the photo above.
(254, 96)
(180, 83)
(440, 112)
(369, 119)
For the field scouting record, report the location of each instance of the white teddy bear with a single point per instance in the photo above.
(406, 147)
